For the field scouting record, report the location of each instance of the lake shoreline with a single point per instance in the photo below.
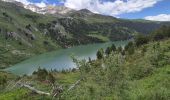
(56, 58)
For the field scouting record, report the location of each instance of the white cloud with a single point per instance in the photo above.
(112, 8)
(161, 17)
(109, 7)
(26, 2)
(43, 3)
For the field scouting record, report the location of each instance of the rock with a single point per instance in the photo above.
(13, 35)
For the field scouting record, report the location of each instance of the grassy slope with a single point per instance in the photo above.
(103, 38)
(154, 87)
(142, 81)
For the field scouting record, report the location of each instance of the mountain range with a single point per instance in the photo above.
(49, 9)
(28, 30)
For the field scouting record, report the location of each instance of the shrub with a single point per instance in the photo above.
(41, 74)
(161, 33)
(3, 80)
(141, 39)
(113, 47)
(144, 49)
(51, 78)
(119, 49)
(100, 54)
(108, 51)
(130, 48)
(156, 56)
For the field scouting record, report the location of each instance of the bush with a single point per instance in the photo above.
(113, 47)
(100, 54)
(158, 36)
(3, 80)
(141, 39)
(108, 51)
(130, 48)
(41, 74)
(161, 33)
(119, 49)
(51, 78)
(144, 50)
(157, 57)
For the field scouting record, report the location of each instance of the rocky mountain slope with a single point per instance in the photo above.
(19, 36)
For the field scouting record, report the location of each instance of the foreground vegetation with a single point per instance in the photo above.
(143, 75)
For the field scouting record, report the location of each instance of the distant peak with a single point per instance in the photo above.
(85, 10)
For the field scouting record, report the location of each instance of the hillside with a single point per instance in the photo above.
(127, 78)
(20, 38)
(25, 33)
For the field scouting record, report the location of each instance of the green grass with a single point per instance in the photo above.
(101, 37)
(14, 95)
(154, 87)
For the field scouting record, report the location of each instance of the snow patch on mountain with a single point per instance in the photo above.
(43, 8)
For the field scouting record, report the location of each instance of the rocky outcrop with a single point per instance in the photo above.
(13, 35)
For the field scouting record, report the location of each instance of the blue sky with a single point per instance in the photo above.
(162, 7)
(57, 2)
(130, 9)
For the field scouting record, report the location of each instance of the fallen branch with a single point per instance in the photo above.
(74, 85)
(55, 91)
(34, 90)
